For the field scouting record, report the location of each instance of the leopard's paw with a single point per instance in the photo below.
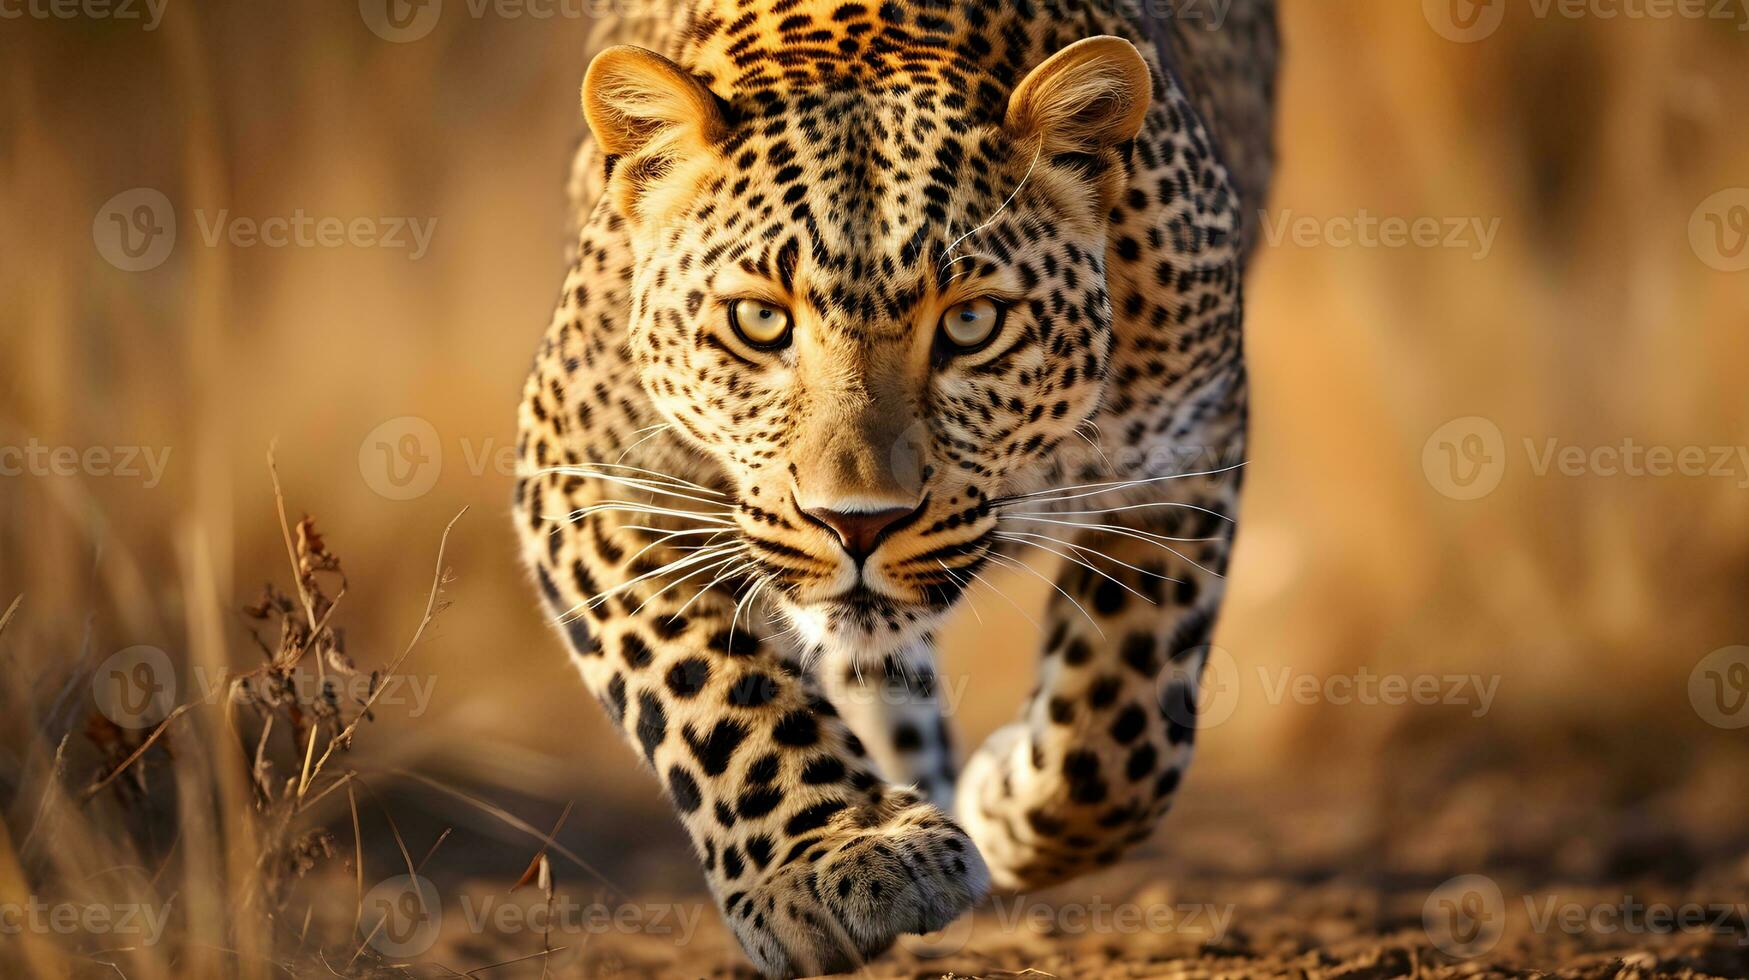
(849, 897)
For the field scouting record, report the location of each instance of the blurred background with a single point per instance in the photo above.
(1504, 259)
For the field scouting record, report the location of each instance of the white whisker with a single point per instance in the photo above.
(1035, 573)
(671, 478)
(647, 486)
(1017, 536)
(690, 575)
(752, 593)
(1005, 598)
(673, 566)
(730, 573)
(1114, 528)
(632, 507)
(963, 586)
(1017, 189)
(1140, 536)
(1096, 551)
(1118, 510)
(659, 429)
(1099, 488)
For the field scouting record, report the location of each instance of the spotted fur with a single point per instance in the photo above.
(867, 166)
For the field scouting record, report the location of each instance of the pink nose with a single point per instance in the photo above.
(860, 531)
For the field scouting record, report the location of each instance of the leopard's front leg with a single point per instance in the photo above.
(1093, 763)
(895, 706)
(815, 862)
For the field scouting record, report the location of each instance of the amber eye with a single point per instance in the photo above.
(971, 325)
(760, 324)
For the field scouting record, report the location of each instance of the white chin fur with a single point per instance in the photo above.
(852, 642)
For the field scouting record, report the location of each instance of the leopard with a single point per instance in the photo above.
(868, 303)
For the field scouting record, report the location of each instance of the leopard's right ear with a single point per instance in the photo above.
(645, 108)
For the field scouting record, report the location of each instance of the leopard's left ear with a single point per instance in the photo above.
(1090, 96)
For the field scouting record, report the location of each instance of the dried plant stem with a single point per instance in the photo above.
(431, 610)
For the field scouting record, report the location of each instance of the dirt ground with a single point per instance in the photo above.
(1549, 873)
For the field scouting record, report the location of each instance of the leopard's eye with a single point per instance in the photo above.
(761, 324)
(971, 325)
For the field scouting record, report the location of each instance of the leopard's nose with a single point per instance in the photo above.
(862, 531)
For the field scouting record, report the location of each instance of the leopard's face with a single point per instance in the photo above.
(879, 312)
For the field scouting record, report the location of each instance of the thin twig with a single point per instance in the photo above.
(431, 610)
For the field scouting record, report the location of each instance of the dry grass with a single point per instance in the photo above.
(250, 764)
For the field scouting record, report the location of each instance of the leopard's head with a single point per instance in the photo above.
(878, 305)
